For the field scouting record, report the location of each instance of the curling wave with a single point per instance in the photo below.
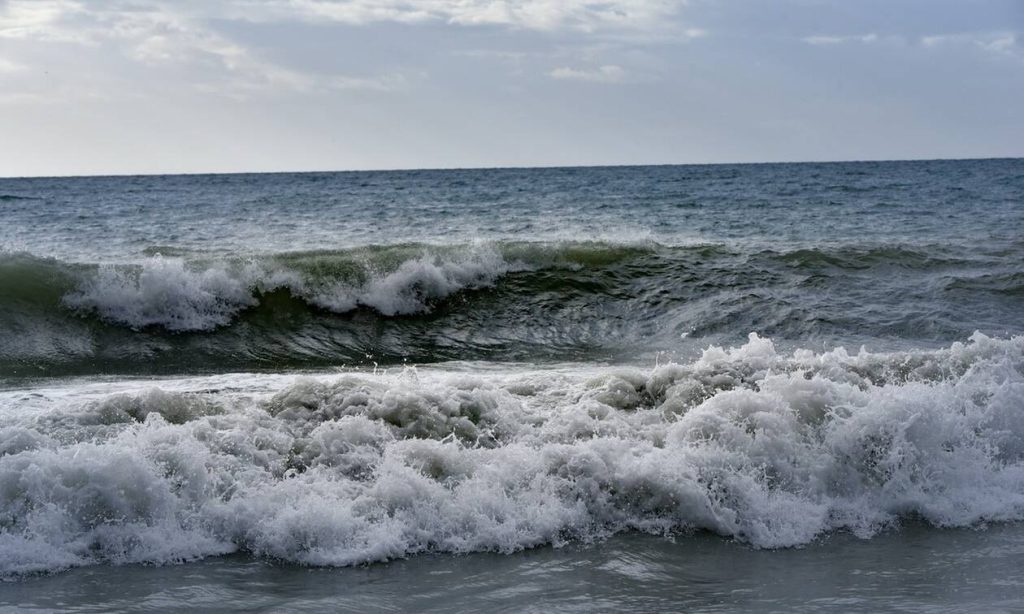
(489, 301)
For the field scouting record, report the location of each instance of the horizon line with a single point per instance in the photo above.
(501, 168)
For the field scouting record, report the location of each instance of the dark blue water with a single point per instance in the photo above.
(768, 205)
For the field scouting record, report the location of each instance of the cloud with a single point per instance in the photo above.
(39, 20)
(55, 20)
(1003, 44)
(999, 44)
(583, 15)
(839, 40)
(7, 66)
(188, 36)
(498, 54)
(609, 73)
(168, 35)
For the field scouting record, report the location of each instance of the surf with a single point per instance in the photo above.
(767, 447)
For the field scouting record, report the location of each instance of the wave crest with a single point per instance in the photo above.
(180, 296)
(163, 292)
(491, 301)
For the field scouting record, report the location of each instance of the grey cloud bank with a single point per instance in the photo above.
(143, 86)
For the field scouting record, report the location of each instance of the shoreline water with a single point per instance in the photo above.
(914, 568)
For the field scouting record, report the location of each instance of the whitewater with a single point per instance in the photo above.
(767, 448)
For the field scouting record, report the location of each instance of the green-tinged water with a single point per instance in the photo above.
(500, 301)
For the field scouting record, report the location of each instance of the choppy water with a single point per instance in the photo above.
(348, 368)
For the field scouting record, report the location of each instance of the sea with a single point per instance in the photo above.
(709, 388)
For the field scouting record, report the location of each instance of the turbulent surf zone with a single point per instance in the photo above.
(772, 448)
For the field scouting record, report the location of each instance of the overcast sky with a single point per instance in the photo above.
(144, 86)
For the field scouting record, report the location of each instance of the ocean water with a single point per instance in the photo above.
(772, 387)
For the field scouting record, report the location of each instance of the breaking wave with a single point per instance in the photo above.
(171, 294)
(488, 301)
(766, 447)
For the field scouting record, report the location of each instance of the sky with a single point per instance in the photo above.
(147, 86)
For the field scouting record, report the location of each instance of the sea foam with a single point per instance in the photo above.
(179, 295)
(770, 448)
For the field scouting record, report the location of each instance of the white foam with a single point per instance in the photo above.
(768, 448)
(181, 296)
(416, 284)
(164, 292)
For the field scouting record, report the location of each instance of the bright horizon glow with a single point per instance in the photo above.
(125, 87)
